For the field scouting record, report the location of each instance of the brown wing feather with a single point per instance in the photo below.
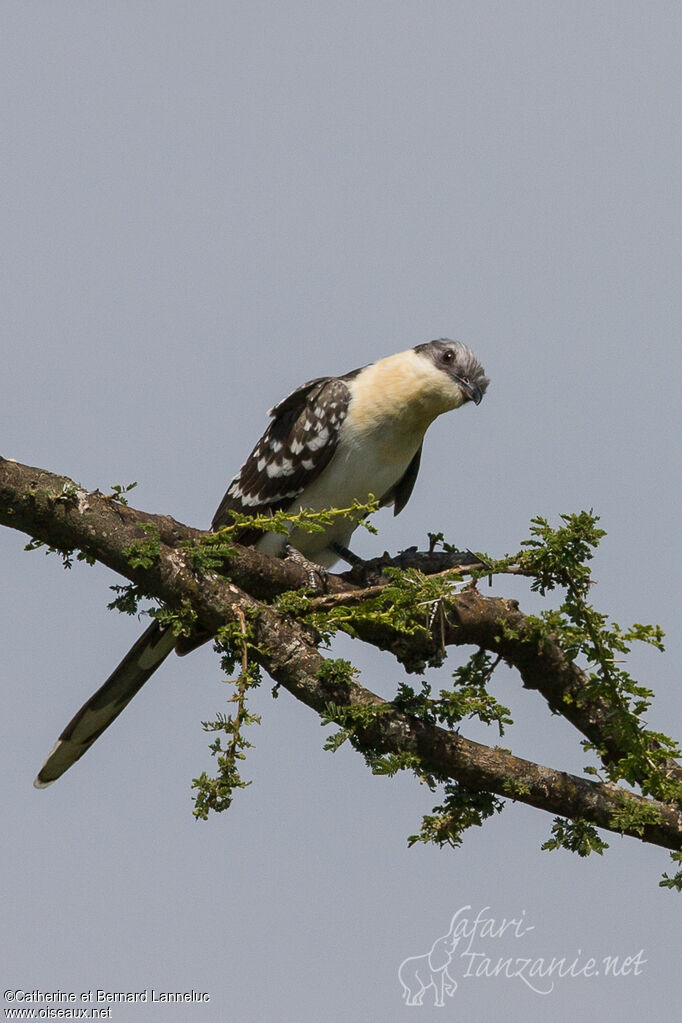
(295, 448)
(293, 451)
(401, 491)
(104, 706)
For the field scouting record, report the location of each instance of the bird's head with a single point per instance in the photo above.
(465, 376)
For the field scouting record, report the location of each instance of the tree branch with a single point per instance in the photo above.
(54, 510)
(469, 618)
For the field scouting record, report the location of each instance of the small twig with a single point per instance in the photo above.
(241, 685)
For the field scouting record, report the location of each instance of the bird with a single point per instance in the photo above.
(332, 441)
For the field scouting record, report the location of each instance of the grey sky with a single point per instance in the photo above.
(204, 205)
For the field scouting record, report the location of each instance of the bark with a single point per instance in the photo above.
(52, 509)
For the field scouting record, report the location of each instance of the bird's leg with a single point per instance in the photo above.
(318, 577)
(346, 555)
(365, 573)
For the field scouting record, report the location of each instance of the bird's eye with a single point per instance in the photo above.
(448, 355)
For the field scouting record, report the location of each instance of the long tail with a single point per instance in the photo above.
(104, 706)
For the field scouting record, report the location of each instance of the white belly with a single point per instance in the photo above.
(355, 472)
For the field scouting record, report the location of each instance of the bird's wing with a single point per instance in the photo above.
(400, 492)
(106, 704)
(293, 451)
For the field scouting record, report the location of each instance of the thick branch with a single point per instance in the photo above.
(51, 509)
(496, 624)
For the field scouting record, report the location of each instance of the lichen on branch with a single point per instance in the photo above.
(414, 606)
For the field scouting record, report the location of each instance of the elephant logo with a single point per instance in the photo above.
(418, 973)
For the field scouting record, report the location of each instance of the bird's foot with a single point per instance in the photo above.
(364, 573)
(318, 577)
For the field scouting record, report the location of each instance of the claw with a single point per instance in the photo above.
(318, 577)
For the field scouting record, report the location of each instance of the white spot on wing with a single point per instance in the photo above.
(155, 654)
(319, 440)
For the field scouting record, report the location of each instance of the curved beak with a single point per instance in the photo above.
(472, 391)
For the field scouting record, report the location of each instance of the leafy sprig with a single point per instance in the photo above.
(216, 792)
